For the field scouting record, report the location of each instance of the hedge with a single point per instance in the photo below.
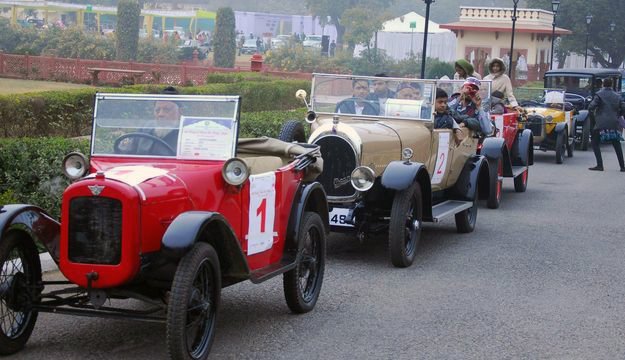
(30, 168)
(68, 113)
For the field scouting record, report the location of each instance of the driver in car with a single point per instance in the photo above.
(359, 104)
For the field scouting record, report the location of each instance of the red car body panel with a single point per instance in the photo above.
(153, 203)
(507, 126)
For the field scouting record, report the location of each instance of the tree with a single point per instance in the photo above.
(603, 44)
(127, 31)
(361, 24)
(225, 38)
(334, 10)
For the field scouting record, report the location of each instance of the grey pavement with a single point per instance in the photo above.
(543, 277)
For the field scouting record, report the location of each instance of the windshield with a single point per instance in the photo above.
(581, 85)
(373, 97)
(174, 126)
(250, 42)
(549, 98)
(313, 38)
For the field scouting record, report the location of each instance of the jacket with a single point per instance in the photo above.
(607, 106)
(474, 118)
(468, 68)
(497, 106)
(501, 81)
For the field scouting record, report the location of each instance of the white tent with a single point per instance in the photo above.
(397, 39)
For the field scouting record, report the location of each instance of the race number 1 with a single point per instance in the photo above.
(441, 157)
(262, 212)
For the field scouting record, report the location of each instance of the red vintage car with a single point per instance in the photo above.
(170, 208)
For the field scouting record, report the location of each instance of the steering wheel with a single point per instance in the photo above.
(368, 109)
(137, 135)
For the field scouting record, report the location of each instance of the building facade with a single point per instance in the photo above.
(486, 32)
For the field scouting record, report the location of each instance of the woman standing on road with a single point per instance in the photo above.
(609, 107)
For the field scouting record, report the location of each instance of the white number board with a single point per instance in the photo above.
(441, 157)
(262, 212)
(338, 216)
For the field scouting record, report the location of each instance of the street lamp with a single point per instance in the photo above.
(588, 20)
(425, 36)
(555, 4)
(516, 2)
(612, 27)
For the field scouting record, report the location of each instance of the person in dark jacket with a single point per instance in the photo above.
(359, 104)
(497, 105)
(607, 106)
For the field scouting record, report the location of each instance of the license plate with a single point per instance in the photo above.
(338, 217)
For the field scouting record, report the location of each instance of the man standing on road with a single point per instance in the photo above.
(607, 106)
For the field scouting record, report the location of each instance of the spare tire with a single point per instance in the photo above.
(293, 131)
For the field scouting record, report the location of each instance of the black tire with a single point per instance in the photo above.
(405, 226)
(466, 219)
(560, 147)
(302, 285)
(494, 196)
(292, 130)
(194, 302)
(585, 135)
(20, 270)
(520, 182)
(570, 146)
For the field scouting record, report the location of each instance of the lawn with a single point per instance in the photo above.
(16, 86)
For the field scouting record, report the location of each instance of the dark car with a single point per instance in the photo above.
(168, 221)
(580, 85)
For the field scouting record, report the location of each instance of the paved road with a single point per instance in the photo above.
(543, 277)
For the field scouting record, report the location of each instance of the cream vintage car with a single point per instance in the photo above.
(386, 168)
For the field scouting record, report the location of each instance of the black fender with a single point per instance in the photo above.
(494, 149)
(309, 197)
(581, 117)
(211, 227)
(524, 149)
(475, 173)
(33, 222)
(560, 127)
(399, 175)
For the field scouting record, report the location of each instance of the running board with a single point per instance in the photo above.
(448, 208)
(518, 170)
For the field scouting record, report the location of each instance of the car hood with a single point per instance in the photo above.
(379, 142)
(557, 115)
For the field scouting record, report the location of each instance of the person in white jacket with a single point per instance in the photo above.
(501, 81)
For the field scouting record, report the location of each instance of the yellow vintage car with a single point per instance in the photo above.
(387, 169)
(550, 118)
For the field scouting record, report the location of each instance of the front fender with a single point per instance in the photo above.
(399, 175)
(560, 127)
(474, 173)
(33, 221)
(495, 149)
(581, 117)
(309, 197)
(210, 227)
(525, 142)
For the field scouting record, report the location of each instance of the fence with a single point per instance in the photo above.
(76, 70)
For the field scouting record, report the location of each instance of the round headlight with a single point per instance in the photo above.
(235, 172)
(407, 153)
(362, 178)
(75, 165)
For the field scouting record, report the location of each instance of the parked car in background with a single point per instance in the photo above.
(312, 41)
(167, 210)
(185, 51)
(249, 47)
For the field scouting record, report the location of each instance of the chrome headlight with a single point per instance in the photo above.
(235, 172)
(75, 165)
(362, 178)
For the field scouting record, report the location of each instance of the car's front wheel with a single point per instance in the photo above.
(193, 304)
(302, 285)
(570, 146)
(20, 275)
(560, 147)
(405, 226)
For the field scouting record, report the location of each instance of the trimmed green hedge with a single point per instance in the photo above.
(30, 168)
(68, 113)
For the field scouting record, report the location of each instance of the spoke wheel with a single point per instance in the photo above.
(466, 219)
(192, 311)
(405, 226)
(20, 275)
(302, 285)
(494, 197)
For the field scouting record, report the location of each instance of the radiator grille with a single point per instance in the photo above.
(339, 160)
(95, 230)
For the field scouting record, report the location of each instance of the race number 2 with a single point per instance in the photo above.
(441, 157)
(261, 212)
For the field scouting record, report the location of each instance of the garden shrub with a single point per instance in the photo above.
(127, 29)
